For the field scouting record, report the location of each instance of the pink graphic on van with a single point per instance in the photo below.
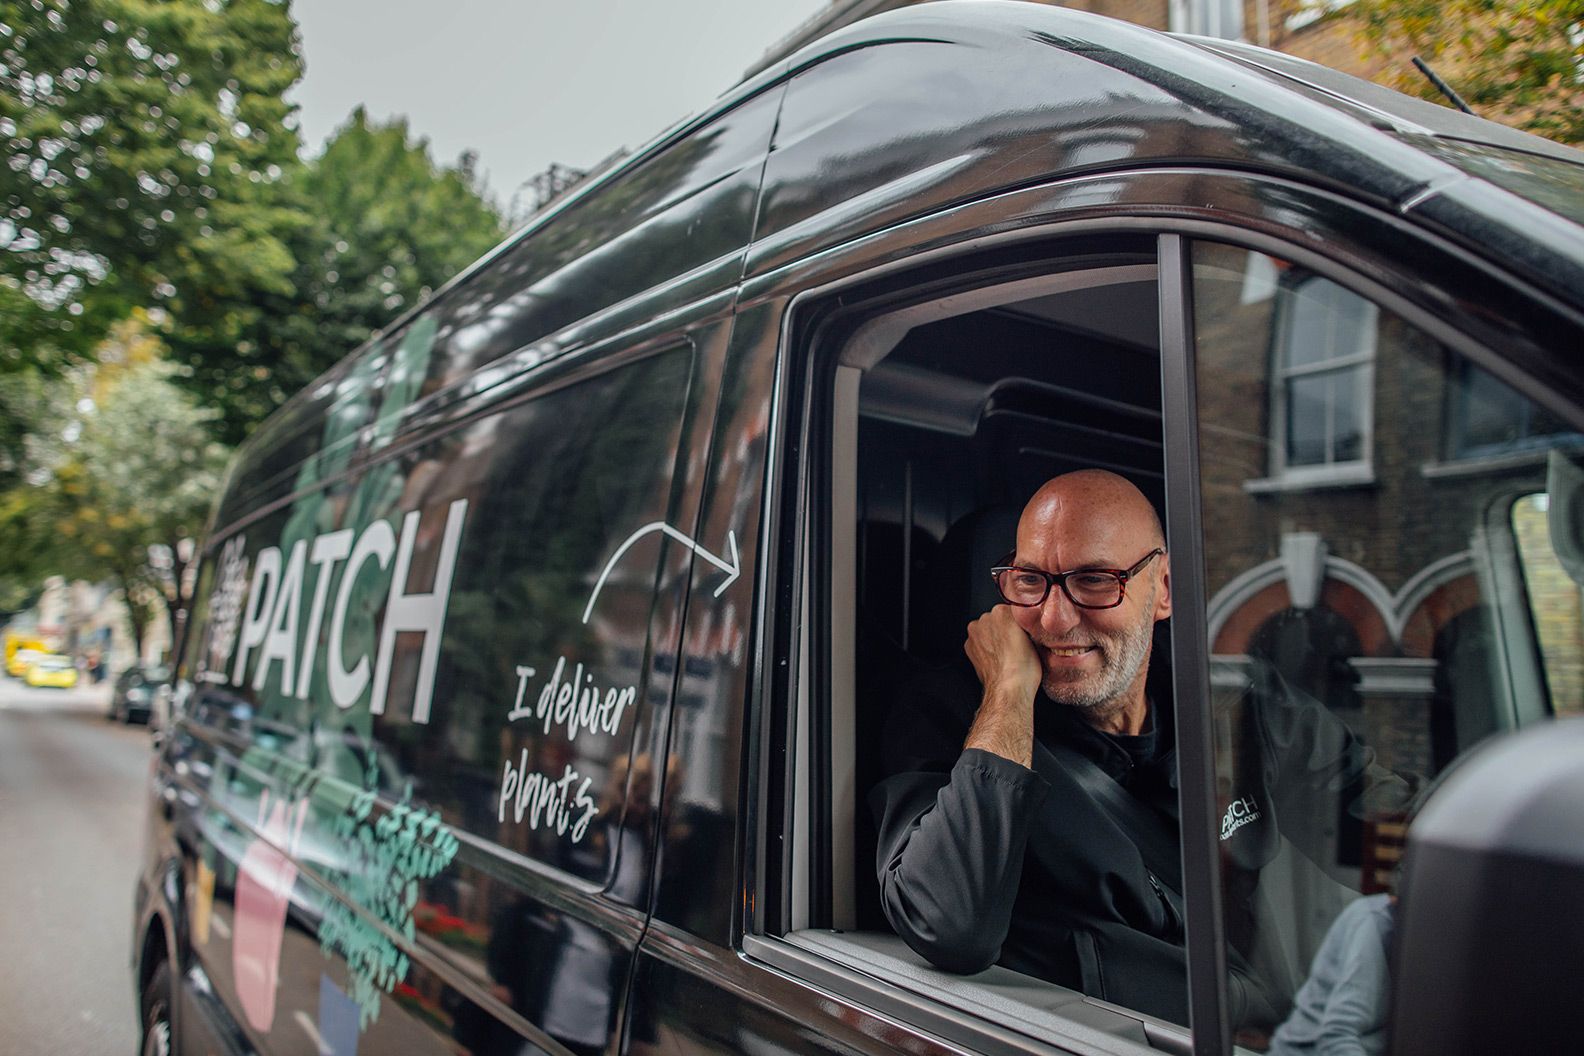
(263, 890)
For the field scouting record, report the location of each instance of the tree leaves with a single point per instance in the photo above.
(171, 270)
(124, 124)
(370, 228)
(123, 462)
(1519, 63)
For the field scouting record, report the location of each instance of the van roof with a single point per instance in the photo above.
(1140, 49)
(1170, 60)
(1291, 116)
(1321, 120)
(1030, 80)
(1233, 104)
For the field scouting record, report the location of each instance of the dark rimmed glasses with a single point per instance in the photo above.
(1087, 588)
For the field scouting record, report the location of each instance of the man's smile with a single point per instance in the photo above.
(1062, 655)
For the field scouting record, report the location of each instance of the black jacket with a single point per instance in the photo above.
(982, 861)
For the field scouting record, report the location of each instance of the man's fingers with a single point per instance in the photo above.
(1000, 650)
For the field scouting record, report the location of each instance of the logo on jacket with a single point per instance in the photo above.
(1239, 813)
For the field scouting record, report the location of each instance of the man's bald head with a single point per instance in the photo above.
(1112, 503)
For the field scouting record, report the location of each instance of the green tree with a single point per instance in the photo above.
(122, 486)
(23, 394)
(141, 140)
(1518, 63)
(388, 227)
(29, 402)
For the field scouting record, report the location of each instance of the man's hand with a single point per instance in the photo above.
(1009, 669)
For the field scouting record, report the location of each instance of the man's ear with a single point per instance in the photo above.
(1163, 606)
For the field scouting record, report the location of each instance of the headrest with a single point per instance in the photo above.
(960, 582)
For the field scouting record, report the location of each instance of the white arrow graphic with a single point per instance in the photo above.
(731, 567)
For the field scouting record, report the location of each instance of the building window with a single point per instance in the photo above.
(1311, 11)
(1487, 418)
(1324, 358)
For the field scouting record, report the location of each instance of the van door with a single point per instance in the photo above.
(915, 409)
(1384, 587)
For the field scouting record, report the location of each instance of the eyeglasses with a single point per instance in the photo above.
(1087, 588)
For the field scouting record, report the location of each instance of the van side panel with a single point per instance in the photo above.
(416, 765)
(700, 883)
(411, 738)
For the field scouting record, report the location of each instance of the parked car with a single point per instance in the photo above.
(540, 659)
(58, 672)
(22, 659)
(15, 642)
(132, 698)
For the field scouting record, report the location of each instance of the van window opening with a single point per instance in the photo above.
(946, 416)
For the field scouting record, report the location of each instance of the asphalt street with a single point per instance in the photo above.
(72, 811)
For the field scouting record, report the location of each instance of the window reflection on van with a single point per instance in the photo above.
(1387, 596)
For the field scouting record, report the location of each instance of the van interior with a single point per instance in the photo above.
(948, 415)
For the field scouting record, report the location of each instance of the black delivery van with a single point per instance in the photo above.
(543, 650)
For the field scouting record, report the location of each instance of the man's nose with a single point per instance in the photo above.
(1058, 615)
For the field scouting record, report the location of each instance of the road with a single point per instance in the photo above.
(72, 810)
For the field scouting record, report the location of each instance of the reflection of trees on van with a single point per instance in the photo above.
(327, 504)
(687, 206)
(554, 485)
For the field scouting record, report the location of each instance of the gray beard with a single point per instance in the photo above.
(1113, 680)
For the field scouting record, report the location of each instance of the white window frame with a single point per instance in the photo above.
(1206, 18)
(1361, 361)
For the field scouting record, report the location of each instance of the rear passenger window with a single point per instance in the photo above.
(1407, 590)
(543, 670)
(438, 680)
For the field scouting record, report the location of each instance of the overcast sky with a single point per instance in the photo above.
(525, 83)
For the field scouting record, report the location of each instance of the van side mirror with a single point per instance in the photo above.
(1490, 926)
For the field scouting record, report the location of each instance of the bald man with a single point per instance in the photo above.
(1031, 820)
(1085, 641)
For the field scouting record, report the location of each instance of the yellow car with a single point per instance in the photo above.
(56, 671)
(23, 659)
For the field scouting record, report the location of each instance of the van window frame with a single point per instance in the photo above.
(961, 1012)
(808, 326)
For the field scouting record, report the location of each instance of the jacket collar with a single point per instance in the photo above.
(1055, 722)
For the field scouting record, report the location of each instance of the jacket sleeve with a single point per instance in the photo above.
(1317, 762)
(950, 855)
(1353, 1021)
